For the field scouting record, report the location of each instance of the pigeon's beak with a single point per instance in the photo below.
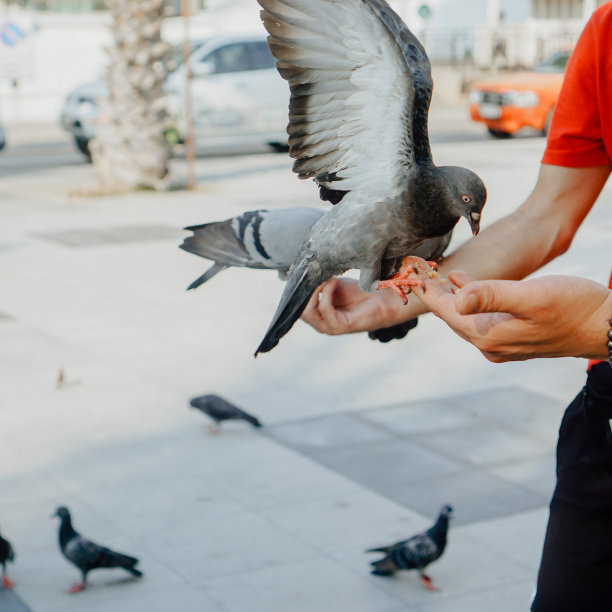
(474, 220)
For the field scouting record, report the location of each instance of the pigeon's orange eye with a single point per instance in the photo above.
(466, 198)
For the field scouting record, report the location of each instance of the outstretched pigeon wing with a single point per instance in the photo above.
(357, 75)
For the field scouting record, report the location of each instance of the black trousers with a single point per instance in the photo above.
(576, 568)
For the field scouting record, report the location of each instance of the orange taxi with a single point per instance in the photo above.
(507, 103)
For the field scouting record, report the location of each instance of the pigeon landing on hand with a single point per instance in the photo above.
(360, 92)
(7, 554)
(86, 555)
(219, 410)
(416, 552)
(270, 240)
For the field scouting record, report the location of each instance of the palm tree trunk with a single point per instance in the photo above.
(130, 150)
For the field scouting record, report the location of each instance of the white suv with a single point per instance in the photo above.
(239, 99)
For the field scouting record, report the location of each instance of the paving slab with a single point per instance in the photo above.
(10, 602)
(102, 349)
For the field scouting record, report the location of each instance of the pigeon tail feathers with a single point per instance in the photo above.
(304, 277)
(216, 241)
(381, 549)
(214, 269)
(383, 567)
(250, 418)
(110, 558)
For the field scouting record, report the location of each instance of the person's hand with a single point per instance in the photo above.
(339, 306)
(550, 316)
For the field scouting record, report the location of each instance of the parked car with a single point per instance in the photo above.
(2, 137)
(80, 112)
(509, 102)
(239, 99)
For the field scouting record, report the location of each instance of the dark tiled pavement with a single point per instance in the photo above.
(473, 449)
(9, 602)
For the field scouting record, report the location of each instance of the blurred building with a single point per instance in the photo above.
(82, 6)
(47, 47)
(552, 25)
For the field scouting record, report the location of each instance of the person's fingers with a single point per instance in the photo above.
(325, 298)
(436, 294)
(459, 278)
(313, 302)
(492, 296)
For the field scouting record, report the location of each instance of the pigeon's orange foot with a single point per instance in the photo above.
(400, 284)
(213, 429)
(6, 583)
(77, 587)
(406, 276)
(428, 584)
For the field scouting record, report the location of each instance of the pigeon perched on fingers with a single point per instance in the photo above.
(361, 87)
(270, 240)
(7, 555)
(416, 552)
(86, 555)
(219, 410)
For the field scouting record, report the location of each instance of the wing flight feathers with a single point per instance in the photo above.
(352, 92)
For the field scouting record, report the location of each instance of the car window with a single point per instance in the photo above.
(555, 63)
(175, 60)
(229, 58)
(260, 56)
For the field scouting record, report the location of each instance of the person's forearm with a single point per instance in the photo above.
(511, 249)
(537, 232)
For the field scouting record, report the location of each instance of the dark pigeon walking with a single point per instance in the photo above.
(416, 552)
(87, 555)
(7, 555)
(270, 240)
(219, 410)
(360, 92)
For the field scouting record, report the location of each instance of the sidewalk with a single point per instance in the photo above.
(362, 442)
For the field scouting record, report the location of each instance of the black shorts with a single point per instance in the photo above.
(576, 569)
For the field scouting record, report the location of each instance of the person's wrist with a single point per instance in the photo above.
(607, 309)
(399, 312)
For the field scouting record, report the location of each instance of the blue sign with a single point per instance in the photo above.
(11, 34)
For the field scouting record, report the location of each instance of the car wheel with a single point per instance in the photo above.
(280, 147)
(82, 144)
(499, 133)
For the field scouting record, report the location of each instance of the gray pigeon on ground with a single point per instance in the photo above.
(219, 410)
(416, 552)
(87, 555)
(7, 554)
(269, 240)
(360, 92)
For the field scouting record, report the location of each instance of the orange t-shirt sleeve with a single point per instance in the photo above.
(577, 137)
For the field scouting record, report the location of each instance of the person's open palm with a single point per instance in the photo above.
(514, 320)
(339, 306)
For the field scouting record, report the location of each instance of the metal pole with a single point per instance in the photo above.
(189, 141)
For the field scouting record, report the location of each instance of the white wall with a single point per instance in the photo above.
(62, 51)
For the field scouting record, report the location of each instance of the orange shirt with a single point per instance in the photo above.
(581, 131)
